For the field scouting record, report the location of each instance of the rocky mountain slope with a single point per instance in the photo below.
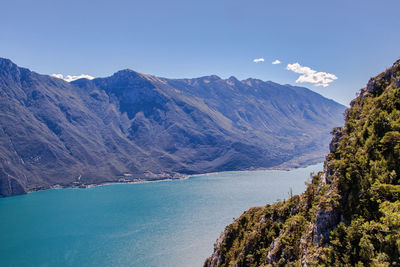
(349, 214)
(130, 127)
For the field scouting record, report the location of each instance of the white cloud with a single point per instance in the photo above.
(276, 62)
(59, 76)
(70, 78)
(311, 76)
(256, 60)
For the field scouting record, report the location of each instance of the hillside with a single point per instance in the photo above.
(349, 214)
(132, 127)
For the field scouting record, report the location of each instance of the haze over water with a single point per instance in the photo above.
(169, 223)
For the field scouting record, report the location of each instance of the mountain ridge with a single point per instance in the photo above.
(131, 127)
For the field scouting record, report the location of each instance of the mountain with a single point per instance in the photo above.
(349, 214)
(133, 127)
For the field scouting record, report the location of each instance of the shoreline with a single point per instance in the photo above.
(276, 168)
(142, 181)
(85, 186)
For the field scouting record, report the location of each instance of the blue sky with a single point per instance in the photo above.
(353, 40)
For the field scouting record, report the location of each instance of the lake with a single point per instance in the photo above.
(168, 223)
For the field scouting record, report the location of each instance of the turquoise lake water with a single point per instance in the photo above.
(169, 223)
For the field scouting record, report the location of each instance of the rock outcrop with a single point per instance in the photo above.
(9, 185)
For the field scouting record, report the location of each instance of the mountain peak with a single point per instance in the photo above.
(212, 78)
(10, 70)
(4, 61)
(127, 72)
(7, 64)
(127, 76)
(232, 81)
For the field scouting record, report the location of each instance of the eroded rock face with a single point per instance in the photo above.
(273, 252)
(338, 133)
(326, 221)
(327, 218)
(371, 86)
(398, 82)
(216, 259)
(10, 186)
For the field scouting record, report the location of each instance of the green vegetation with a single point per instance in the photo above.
(349, 214)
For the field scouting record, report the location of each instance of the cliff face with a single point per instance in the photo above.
(130, 127)
(350, 212)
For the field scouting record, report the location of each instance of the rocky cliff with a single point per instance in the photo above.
(350, 212)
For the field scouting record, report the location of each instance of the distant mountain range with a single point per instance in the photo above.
(131, 127)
